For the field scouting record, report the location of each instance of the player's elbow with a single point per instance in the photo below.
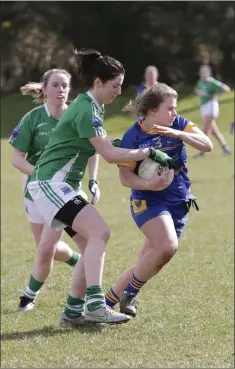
(123, 181)
(208, 147)
(15, 161)
(18, 160)
(109, 158)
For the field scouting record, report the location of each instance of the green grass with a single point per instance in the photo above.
(185, 314)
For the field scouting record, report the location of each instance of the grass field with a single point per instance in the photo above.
(185, 316)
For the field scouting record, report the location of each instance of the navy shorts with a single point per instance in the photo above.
(144, 210)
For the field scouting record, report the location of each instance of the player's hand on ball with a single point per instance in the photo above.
(159, 179)
(162, 158)
(95, 191)
(167, 131)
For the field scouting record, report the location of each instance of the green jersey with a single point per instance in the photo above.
(207, 89)
(65, 157)
(32, 134)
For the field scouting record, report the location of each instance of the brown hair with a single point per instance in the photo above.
(35, 89)
(91, 64)
(151, 98)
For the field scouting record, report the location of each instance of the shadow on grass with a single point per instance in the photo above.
(50, 331)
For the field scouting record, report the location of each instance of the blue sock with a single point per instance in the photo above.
(111, 298)
(135, 285)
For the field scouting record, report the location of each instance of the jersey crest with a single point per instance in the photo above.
(15, 133)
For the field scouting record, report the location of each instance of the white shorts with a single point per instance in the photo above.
(50, 196)
(32, 212)
(210, 109)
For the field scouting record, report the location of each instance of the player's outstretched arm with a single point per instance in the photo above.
(19, 162)
(223, 89)
(114, 155)
(195, 137)
(226, 88)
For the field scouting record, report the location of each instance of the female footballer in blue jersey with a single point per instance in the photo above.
(160, 215)
(150, 80)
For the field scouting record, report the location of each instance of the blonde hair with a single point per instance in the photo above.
(152, 68)
(149, 67)
(35, 89)
(151, 98)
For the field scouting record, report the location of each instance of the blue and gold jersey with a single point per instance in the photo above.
(140, 89)
(138, 137)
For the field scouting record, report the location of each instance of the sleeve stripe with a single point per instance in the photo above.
(189, 126)
(129, 165)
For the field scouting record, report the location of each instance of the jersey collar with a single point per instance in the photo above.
(47, 110)
(149, 131)
(94, 100)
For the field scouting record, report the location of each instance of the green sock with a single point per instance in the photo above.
(34, 287)
(95, 298)
(74, 307)
(74, 259)
(226, 147)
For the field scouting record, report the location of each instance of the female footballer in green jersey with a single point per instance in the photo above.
(57, 177)
(208, 88)
(30, 137)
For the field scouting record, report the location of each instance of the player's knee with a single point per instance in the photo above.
(168, 252)
(80, 242)
(105, 233)
(46, 251)
(102, 234)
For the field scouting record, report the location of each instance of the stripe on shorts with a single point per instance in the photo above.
(54, 193)
(56, 200)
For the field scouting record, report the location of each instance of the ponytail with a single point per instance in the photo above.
(91, 64)
(35, 90)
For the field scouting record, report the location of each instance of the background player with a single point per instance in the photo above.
(208, 88)
(151, 76)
